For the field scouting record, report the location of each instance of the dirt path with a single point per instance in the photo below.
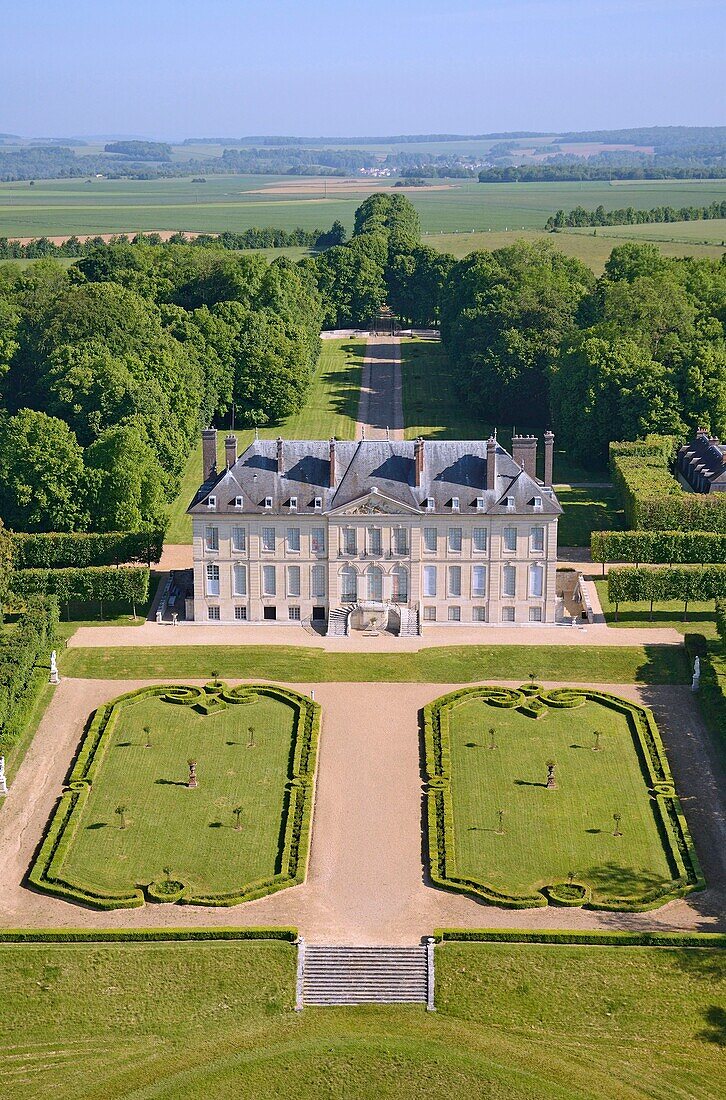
(366, 882)
(380, 407)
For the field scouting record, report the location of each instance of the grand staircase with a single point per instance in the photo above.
(331, 976)
(338, 620)
(409, 623)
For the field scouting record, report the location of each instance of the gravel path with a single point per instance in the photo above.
(380, 407)
(366, 882)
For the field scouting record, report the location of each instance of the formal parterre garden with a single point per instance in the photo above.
(198, 795)
(562, 797)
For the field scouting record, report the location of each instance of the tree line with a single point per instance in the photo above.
(630, 216)
(568, 170)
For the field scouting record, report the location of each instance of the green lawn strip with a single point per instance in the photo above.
(584, 510)
(701, 614)
(129, 824)
(711, 696)
(487, 751)
(15, 753)
(195, 1020)
(330, 409)
(438, 664)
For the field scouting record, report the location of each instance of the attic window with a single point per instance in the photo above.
(293, 504)
(509, 502)
(211, 502)
(238, 502)
(429, 504)
(268, 502)
(454, 504)
(538, 502)
(481, 504)
(318, 503)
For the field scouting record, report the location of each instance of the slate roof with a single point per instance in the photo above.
(703, 464)
(452, 468)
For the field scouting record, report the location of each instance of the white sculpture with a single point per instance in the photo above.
(3, 780)
(54, 674)
(696, 683)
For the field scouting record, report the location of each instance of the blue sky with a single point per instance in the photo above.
(172, 68)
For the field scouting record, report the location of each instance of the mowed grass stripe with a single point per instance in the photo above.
(445, 664)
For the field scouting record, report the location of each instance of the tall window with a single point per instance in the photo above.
(239, 580)
(293, 538)
(400, 540)
(239, 539)
(317, 540)
(430, 540)
(479, 538)
(374, 540)
(212, 580)
(269, 580)
(509, 581)
(454, 580)
(536, 580)
(509, 539)
(268, 538)
(479, 580)
(374, 579)
(536, 539)
(350, 540)
(348, 584)
(317, 582)
(211, 538)
(455, 538)
(400, 584)
(293, 580)
(429, 580)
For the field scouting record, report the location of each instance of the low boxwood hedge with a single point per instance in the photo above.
(676, 838)
(143, 935)
(46, 872)
(594, 939)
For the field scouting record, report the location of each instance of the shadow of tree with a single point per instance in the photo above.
(615, 880)
(716, 1031)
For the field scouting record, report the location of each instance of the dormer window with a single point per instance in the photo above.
(481, 504)
(318, 504)
(538, 502)
(211, 502)
(268, 502)
(293, 504)
(509, 502)
(454, 504)
(429, 504)
(238, 502)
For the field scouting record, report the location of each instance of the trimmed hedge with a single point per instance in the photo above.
(659, 547)
(100, 582)
(653, 499)
(686, 869)
(24, 663)
(47, 871)
(142, 935)
(634, 584)
(61, 550)
(721, 620)
(591, 939)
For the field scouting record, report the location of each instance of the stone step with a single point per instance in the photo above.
(332, 975)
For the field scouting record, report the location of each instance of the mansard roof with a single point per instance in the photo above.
(451, 469)
(703, 463)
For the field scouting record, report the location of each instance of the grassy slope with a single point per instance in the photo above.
(331, 408)
(191, 831)
(701, 616)
(450, 664)
(521, 1021)
(585, 511)
(549, 833)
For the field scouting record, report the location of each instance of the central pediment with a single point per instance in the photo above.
(375, 503)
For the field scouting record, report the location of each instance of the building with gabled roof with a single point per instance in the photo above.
(701, 465)
(375, 533)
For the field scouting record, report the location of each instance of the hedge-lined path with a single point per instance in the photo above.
(365, 881)
(380, 407)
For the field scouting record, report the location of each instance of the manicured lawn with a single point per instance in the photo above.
(585, 511)
(439, 664)
(548, 833)
(195, 1021)
(701, 614)
(167, 825)
(331, 408)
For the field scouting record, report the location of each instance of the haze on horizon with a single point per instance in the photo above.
(174, 69)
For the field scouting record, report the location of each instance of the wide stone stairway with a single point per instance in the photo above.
(365, 975)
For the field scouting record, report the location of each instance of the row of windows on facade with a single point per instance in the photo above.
(429, 504)
(478, 614)
(350, 581)
(373, 540)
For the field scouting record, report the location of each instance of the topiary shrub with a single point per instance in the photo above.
(568, 893)
(167, 891)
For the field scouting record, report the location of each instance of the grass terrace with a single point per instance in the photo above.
(133, 824)
(700, 618)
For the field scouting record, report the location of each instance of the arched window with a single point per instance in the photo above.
(536, 580)
(374, 578)
(400, 584)
(348, 584)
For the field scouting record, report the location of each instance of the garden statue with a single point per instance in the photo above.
(3, 780)
(616, 819)
(54, 674)
(193, 781)
(551, 784)
(696, 683)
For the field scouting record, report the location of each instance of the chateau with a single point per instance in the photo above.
(375, 534)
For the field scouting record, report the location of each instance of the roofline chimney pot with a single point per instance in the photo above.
(230, 449)
(418, 462)
(280, 456)
(491, 464)
(209, 453)
(333, 471)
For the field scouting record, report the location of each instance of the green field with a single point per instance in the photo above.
(436, 665)
(190, 1021)
(549, 833)
(701, 616)
(585, 511)
(331, 408)
(243, 756)
(56, 207)
(711, 231)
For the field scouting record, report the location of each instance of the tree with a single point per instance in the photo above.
(42, 475)
(125, 482)
(352, 286)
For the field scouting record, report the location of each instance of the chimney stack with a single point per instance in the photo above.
(418, 460)
(209, 452)
(230, 449)
(549, 451)
(333, 471)
(279, 455)
(491, 464)
(524, 453)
